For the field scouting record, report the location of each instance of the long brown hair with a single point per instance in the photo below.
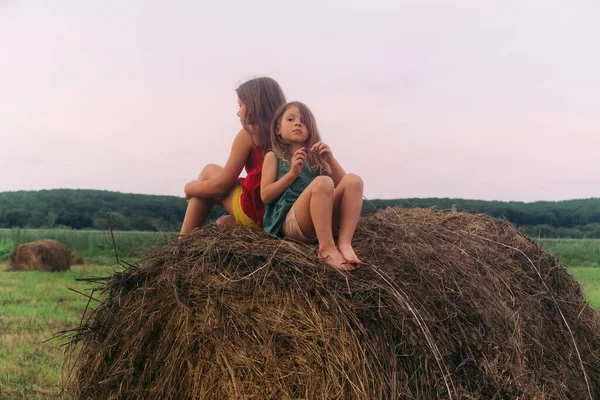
(261, 96)
(282, 149)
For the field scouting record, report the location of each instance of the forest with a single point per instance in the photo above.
(90, 209)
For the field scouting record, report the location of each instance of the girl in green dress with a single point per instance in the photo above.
(307, 193)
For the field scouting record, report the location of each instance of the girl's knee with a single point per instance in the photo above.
(209, 171)
(323, 183)
(353, 180)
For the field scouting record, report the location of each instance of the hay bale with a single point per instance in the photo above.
(44, 255)
(446, 305)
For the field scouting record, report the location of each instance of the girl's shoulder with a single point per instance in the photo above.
(244, 139)
(274, 155)
(252, 137)
(246, 135)
(271, 158)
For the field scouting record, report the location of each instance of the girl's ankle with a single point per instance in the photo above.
(327, 248)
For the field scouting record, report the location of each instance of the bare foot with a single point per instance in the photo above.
(349, 255)
(335, 259)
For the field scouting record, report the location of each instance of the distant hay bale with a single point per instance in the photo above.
(446, 305)
(44, 255)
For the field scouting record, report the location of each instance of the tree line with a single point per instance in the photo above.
(545, 219)
(91, 209)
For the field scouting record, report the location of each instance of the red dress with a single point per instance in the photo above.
(250, 198)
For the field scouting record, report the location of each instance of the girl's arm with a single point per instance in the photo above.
(271, 188)
(223, 183)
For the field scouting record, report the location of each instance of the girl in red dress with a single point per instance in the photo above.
(257, 100)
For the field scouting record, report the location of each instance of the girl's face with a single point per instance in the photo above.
(241, 112)
(292, 128)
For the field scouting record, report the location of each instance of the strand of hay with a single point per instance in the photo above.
(446, 305)
(43, 255)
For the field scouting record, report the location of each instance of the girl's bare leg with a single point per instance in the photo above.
(198, 209)
(226, 220)
(314, 211)
(347, 203)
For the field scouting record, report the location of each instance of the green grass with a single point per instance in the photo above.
(574, 252)
(95, 247)
(589, 278)
(35, 305)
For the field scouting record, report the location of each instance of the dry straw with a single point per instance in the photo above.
(44, 255)
(446, 305)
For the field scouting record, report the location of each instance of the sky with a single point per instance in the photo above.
(492, 100)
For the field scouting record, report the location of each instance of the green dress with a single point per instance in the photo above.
(276, 212)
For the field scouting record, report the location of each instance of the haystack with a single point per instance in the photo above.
(44, 255)
(445, 306)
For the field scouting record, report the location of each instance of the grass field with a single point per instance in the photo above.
(589, 278)
(94, 247)
(574, 252)
(35, 305)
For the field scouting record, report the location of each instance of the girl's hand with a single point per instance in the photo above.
(298, 160)
(323, 150)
